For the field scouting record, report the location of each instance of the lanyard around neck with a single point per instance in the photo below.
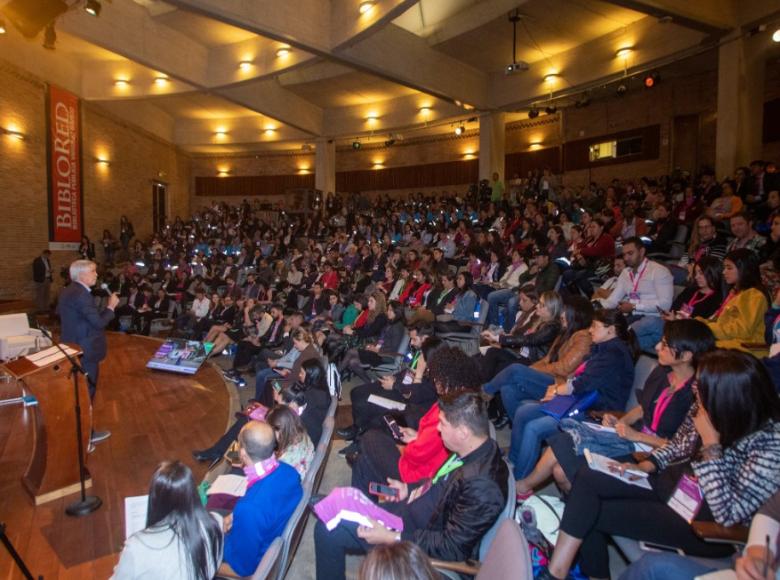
(453, 463)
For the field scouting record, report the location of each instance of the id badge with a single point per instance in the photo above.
(687, 498)
(686, 309)
(633, 297)
(408, 378)
(525, 352)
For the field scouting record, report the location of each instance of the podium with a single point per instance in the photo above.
(53, 471)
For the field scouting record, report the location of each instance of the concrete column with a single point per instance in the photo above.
(741, 71)
(492, 139)
(325, 167)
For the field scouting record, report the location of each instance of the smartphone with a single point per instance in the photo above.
(651, 547)
(394, 428)
(382, 490)
(277, 386)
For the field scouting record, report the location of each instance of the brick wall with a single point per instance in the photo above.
(124, 187)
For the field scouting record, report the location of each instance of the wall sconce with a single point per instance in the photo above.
(535, 145)
(121, 83)
(161, 81)
(284, 51)
(102, 162)
(269, 131)
(551, 78)
(223, 172)
(624, 52)
(245, 65)
(220, 134)
(13, 134)
(366, 6)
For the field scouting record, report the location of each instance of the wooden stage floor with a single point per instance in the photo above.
(152, 415)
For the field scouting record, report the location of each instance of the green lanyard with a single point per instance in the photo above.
(413, 366)
(453, 463)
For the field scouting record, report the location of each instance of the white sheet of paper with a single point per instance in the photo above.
(602, 463)
(135, 514)
(727, 574)
(386, 403)
(49, 355)
(229, 484)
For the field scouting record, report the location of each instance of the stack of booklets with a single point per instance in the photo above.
(352, 505)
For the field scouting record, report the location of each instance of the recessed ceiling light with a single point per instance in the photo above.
(460, 129)
(372, 117)
(425, 110)
(284, 51)
(624, 52)
(161, 81)
(245, 65)
(220, 133)
(551, 78)
(122, 83)
(366, 6)
(269, 131)
(93, 8)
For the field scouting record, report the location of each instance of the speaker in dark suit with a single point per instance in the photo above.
(83, 324)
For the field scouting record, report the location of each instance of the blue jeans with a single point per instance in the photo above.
(664, 567)
(498, 298)
(530, 427)
(260, 379)
(518, 383)
(648, 331)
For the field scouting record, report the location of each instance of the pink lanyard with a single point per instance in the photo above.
(693, 302)
(720, 310)
(638, 277)
(664, 399)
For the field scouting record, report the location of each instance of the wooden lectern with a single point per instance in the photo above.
(53, 471)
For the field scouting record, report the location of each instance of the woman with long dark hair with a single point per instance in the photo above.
(740, 318)
(462, 310)
(181, 540)
(728, 448)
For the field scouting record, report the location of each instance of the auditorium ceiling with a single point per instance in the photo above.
(233, 76)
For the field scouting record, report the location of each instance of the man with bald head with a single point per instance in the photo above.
(272, 494)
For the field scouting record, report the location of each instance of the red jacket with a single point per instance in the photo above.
(423, 457)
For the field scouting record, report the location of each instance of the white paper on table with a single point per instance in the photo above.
(386, 403)
(49, 355)
(229, 484)
(604, 464)
(135, 514)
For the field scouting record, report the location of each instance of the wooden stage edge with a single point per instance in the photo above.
(153, 416)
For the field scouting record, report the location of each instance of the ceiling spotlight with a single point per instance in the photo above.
(372, 118)
(356, 145)
(284, 51)
(245, 65)
(49, 37)
(366, 6)
(551, 78)
(2, 26)
(652, 79)
(269, 131)
(220, 133)
(425, 110)
(459, 130)
(468, 107)
(93, 8)
(624, 52)
(775, 36)
(13, 133)
(161, 81)
(551, 109)
(102, 161)
(621, 89)
(533, 113)
(122, 83)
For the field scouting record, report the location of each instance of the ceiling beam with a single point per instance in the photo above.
(386, 52)
(126, 29)
(712, 17)
(466, 20)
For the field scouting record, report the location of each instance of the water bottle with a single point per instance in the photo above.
(501, 317)
(477, 310)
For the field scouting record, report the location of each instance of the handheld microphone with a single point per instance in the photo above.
(104, 286)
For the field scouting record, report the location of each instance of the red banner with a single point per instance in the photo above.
(64, 154)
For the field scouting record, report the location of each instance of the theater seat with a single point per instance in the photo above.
(17, 338)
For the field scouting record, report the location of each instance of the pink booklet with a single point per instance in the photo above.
(352, 505)
(258, 413)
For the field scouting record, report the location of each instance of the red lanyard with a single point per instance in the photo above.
(693, 302)
(720, 310)
(638, 277)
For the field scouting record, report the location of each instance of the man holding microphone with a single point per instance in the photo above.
(84, 325)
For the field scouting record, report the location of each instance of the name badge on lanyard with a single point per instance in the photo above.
(687, 498)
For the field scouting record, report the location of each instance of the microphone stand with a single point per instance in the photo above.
(87, 504)
(15, 555)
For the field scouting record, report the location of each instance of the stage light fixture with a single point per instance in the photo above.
(551, 109)
(459, 130)
(652, 79)
(93, 8)
(284, 51)
(366, 6)
(50, 37)
(533, 112)
(621, 89)
(356, 145)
